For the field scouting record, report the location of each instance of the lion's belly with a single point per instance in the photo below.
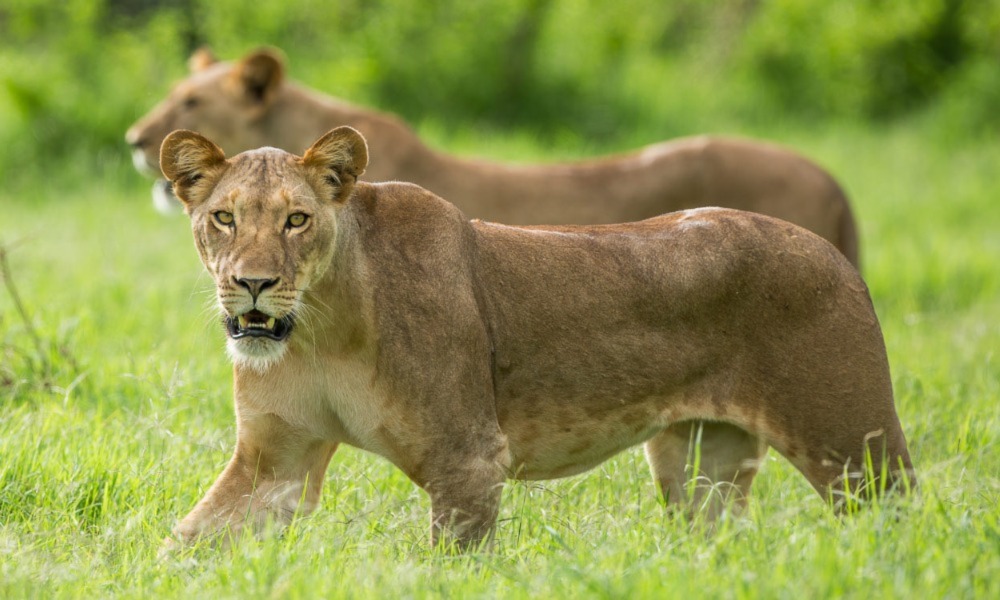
(560, 441)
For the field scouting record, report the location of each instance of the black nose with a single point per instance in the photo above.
(256, 286)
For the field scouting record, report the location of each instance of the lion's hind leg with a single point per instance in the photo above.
(704, 467)
(849, 475)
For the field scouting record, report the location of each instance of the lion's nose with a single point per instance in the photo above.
(135, 139)
(256, 286)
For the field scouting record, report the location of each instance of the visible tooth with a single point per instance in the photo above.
(242, 321)
(270, 323)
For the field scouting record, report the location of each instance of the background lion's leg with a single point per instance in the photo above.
(727, 460)
(276, 472)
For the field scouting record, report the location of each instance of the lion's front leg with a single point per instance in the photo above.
(463, 512)
(276, 472)
(465, 495)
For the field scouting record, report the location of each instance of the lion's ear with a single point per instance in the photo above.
(201, 59)
(192, 163)
(339, 158)
(260, 74)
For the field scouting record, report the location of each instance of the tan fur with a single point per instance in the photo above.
(470, 352)
(249, 103)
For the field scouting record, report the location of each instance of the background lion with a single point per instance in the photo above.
(250, 103)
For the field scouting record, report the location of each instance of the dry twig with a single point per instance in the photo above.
(8, 281)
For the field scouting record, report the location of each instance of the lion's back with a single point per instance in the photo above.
(702, 265)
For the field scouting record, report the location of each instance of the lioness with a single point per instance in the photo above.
(378, 316)
(250, 103)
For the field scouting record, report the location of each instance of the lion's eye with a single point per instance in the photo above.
(223, 218)
(190, 102)
(297, 220)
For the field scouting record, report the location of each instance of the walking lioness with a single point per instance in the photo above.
(466, 353)
(250, 103)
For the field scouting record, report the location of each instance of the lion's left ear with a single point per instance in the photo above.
(260, 74)
(201, 59)
(193, 165)
(339, 158)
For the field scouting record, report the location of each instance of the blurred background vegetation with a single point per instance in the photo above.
(575, 75)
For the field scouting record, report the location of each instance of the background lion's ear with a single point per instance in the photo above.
(260, 74)
(340, 158)
(192, 163)
(201, 59)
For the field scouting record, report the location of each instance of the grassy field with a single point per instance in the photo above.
(116, 414)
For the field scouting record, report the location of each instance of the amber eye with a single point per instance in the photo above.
(297, 220)
(190, 102)
(223, 218)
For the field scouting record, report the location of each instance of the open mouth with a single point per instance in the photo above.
(258, 324)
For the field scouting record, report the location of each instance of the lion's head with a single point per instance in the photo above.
(225, 101)
(264, 223)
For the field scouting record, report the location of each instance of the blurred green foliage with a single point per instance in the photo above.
(75, 74)
(875, 58)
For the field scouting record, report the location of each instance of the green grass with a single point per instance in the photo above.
(119, 419)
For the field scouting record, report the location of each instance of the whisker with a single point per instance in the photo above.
(311, 330)
(314, 317)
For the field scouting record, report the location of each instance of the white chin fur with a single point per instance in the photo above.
(164, 200)
(140, 164)
(255, 354)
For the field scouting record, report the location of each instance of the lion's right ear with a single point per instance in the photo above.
(260, 74)
(192, 163)
(201, 59)
(339, 158)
